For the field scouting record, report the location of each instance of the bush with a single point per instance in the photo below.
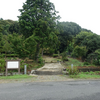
(8, 55)
(11, 55)
(73, 71)
(86, 63)
(55, 55)
(40, 61)
(65, 59)
(2, 65)
(64, 56)
(2, 55)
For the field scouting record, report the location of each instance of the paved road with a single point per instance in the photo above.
(69, 90)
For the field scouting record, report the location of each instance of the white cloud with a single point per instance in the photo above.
(83, 12)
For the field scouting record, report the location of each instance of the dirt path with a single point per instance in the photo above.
(51, 64)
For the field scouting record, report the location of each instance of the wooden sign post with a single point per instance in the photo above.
(12, 64)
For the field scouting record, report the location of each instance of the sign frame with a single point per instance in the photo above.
(11, 62)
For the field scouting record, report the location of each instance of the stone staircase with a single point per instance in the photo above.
(49, 69)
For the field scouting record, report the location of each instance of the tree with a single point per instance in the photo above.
(88, 39)
(1, 29)
(1, 18)
(81, 37)
(30, 46)
(38, 17)
(5, 24)
(1, 42)
(67, 31)
(6, 45)
(14, 28)
(17, 44)
(79, 52)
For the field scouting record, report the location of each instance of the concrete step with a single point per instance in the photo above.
(49, 69)
(48, 72)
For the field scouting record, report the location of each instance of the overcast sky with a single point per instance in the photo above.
(86, 13)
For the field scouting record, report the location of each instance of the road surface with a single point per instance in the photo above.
(68, 90)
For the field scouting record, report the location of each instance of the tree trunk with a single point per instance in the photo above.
(42, 51)
(37, 52)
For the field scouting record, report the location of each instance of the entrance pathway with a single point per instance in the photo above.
(50, 69)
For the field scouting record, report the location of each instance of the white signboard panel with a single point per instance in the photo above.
(12, 64)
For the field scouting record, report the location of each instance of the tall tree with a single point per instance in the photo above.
(67, 31)
(14, 28)
(38, 17)
(1, 29)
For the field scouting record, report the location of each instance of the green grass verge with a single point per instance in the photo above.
(75, 62)
(85, 76)
(15, 77)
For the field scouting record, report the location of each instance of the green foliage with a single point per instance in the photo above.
(81, 37)
(65, 59)
(8, 55)
(6, 45)
(2, 65)
(94, 57)
(74, 61)
(40, 61)
(14, 28)
(16, 42)
(5, 25)
(70, 47)
(97, 72)
(97, 60)
(89, 40)
(2, 55)
(86, 63)
(1, 29)
(1, 18)
(97, 51)
(67, 31)
(72, 71)
(22, 64)
(79, 51)
(30, 46)
(16, 77)
(64, 56)
(55, 55)
(87, 75)
(39, 18)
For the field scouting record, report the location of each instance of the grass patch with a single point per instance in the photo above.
(15, 77)
(56, 59)
(75, 62)
(86, 75)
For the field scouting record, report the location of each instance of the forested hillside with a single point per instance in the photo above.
(39, 32)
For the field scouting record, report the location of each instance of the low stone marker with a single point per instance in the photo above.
(12, 64)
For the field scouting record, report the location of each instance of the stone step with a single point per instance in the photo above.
(48, 72)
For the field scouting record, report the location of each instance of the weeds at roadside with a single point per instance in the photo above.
(87, 75)
(16, 77)
(75, 62)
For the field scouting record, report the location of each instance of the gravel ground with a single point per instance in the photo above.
(38, 78)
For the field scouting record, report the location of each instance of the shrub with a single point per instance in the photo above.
(40, 61)
(64, 56)
(55, 55)
(97, 72)
(2, 65)
(65, 59)
(86, 63)
(73, 71)
(2, 55)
